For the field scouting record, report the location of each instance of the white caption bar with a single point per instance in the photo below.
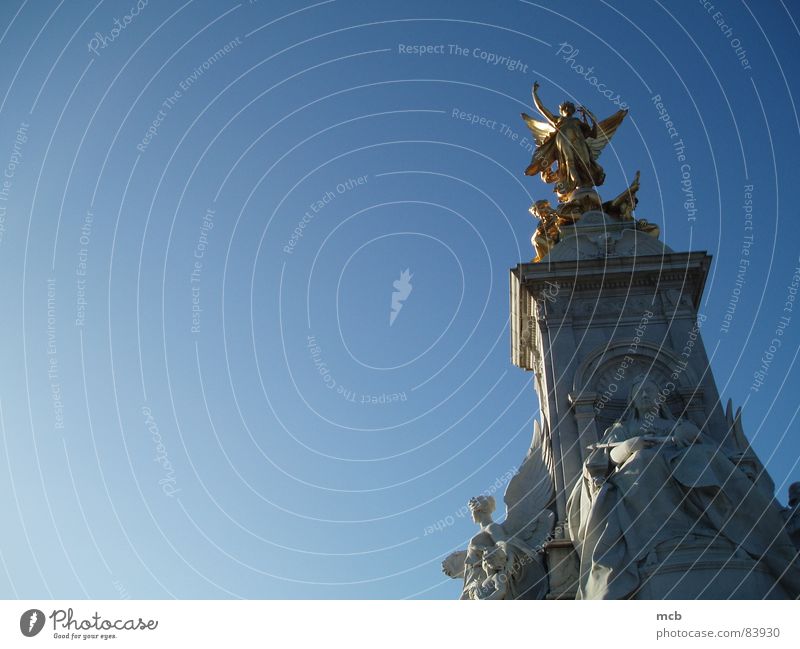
(389, 624)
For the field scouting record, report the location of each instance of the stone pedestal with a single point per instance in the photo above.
(700, 568)
(562, 569)
(607, 304)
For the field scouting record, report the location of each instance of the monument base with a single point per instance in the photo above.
(701, 568)
(562, 569)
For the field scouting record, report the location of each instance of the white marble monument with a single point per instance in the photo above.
(637, 485)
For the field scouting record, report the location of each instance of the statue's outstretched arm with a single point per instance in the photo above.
(621, 453)
(540, 106)
(589, 113)
(592, 128)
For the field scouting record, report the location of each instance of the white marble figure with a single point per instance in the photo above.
(792, 514)
(498, 566)
(504, 560)
(654, 480)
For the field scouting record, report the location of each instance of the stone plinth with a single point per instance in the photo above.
(607, 304)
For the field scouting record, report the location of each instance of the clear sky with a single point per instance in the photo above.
(206, 391)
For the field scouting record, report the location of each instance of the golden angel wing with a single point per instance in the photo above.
(541, 130)
(605, 131)
(628, 197)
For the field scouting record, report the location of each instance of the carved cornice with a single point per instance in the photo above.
(618, 287)
(686, 271)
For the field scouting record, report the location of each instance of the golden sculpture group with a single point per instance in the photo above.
(567, 151)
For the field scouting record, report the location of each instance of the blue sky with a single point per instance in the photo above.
(197, 402)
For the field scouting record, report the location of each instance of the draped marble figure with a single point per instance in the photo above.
(653, 480)
(504, 560)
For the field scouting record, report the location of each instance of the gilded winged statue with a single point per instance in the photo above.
(504, 560)
(570, 143)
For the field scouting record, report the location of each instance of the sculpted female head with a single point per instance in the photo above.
(566, 109)
(643, 393)
(647, 401)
